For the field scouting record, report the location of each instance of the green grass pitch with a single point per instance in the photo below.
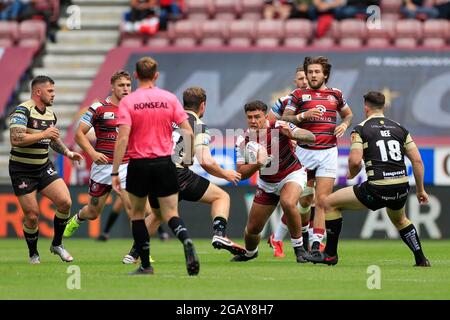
(103, 276)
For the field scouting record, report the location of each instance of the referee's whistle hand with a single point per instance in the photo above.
(116, 184)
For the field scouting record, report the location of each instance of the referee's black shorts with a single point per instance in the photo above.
(152, 177)
(376, 197)
(192, 187)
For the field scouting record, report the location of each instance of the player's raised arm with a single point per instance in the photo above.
(295, 133)
(347, 117)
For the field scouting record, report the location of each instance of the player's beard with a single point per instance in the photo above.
(316, 86)
(47, 103)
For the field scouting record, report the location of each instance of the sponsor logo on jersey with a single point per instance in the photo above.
(108, 115)
(306, 97)
(23, 185)
(35, 124)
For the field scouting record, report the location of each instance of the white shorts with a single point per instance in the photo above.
(101, 173)
(325, 162)
(298, 176)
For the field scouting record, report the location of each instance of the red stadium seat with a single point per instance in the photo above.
(391, 6)
(35, 44)
(32, 29)
(408, 43)
(161, 39)
(130, 42)
(9, 30)
(269, 33)
(252, 9)
(199, 9)
(227, 9)
(408, 33)
(324, 42)
(378, 42)
(186, 33)
(435, 33)
(298, 29)
(241, 33)
(6, 43)
(352, 33)
(214, 32)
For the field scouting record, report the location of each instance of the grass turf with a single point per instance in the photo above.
(103, 276)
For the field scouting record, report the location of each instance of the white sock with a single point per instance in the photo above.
(297, 242)
(79, 220)
(317, 237)
(310, 234)
(281, 232)
(251, 253)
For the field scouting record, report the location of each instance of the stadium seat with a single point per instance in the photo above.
(408, 32)
(214, 32)
(227, 9)
(186, 33)
(407, 43)
(6, 43)
(130, 42)
(32, 29)
(297, 32)
(435, 33)
(269, 33)
(378, 42)
(391, 6)
(9, 30)
(352, 33)
(33, 43)
(241, 33)
(252, 9)
(199, 9)
(161, 39)
(324, 42)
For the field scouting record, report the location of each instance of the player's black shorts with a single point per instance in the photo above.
(192, 187)
(26, 178)
(152, 177)
(376, 197)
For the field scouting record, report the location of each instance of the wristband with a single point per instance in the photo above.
(70, 154)
(114, 174)
(302, 115)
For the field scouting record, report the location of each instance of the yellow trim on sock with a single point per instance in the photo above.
(333, 215)
(29, 230)
(62, 215)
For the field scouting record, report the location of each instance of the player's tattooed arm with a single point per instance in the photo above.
(290, 116)
(59, 147)
(17, 135)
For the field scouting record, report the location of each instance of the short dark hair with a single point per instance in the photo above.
(374, 100)
(120, 74)
(323, 61)
(146, 68)
(193, 98)
(299, 68)
(256, 105)
(41, 80)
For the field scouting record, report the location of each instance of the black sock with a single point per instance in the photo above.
(58, 225)
(411, 238)
(142, 241)
(220, 226)
(178, 228)
(305, 236)
(32, 240)
(311, 217)
(333, 231)
(111, 219)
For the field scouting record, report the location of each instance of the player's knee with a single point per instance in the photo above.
(31, 217)
(288, 205)
(252, 229)
(64, 205)
(400, 221)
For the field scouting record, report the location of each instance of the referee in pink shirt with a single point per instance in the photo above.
(145, 120)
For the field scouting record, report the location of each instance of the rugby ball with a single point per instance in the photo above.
(251, 152)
